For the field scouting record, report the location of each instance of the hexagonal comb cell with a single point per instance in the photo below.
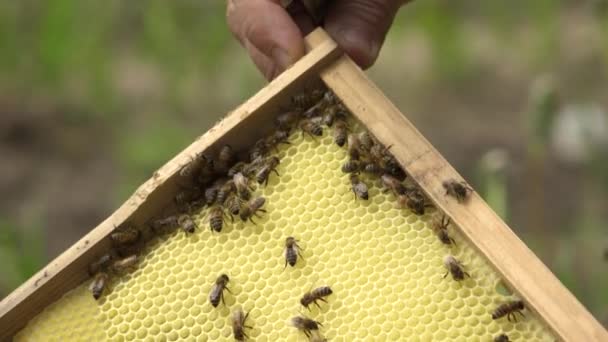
(384, 265)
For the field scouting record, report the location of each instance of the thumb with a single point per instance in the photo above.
(266, 30)
(360, 26)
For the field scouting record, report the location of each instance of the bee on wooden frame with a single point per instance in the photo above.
(287, 120)
(304, 101)
(217, 292)
(125, 236)
(292, 251)
(455, 268)
(414, 200)
(99, 284)
(125, 264)
(164, 225)
(459, 190)
(509, 309)
(393, 184)
(239, 319)
(187, 223)
(315, 295)
(251, 208)
(100, 264)
(441, 229)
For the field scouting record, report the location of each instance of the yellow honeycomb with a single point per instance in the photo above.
(74, 317)
(384, 264)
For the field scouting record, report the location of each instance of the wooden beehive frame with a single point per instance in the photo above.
(520, 268)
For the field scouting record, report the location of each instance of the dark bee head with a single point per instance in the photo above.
(223, 278)
(290, 241)
(502, 338)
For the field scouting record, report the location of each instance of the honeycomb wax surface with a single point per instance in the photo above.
(384, 265)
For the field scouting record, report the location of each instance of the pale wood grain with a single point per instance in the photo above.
(512, 259)
(69, 269)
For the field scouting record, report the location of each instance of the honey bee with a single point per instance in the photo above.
(238, 325)
(99, 284)
(367, 141)
(278, 137)
(353, 146)
(187, 223)
(185, 196)
(305, 324)
(372, 168)
(334, 113)
(226, 154)
(211, 193)
(268, 166)
(502, 338)
(359, 188)
(441, 229)
(100, 264)
(352, 166)
(259, 150)
(285, 121)
(216, 218)
(311, 127)
(233, 204)
(329, 115)
(236, 168)
(393, 184)
(455, 268)
(392, 167)
(304, 101)
(217, 292)
(315, 295)
(509, 309)
(292, 251)
(124, 264)
(125, 236)
(459, 190)
(414, 200)
(242, 186)
(340, 132)
(251, 209)
(188, 169)
(164, 225)
(224, 191)
(377, 152)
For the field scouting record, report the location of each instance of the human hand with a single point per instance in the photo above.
(274, 39)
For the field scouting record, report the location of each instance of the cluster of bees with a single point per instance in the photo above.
(225, 185)
(368, 156)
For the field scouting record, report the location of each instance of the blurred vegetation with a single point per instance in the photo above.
(94, 96)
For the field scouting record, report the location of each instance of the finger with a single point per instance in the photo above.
(265, 25)
(300, 15)
(360, 26)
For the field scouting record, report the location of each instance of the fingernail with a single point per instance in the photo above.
(281, 57)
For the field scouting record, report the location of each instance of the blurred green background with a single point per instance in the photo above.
(96, 95)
